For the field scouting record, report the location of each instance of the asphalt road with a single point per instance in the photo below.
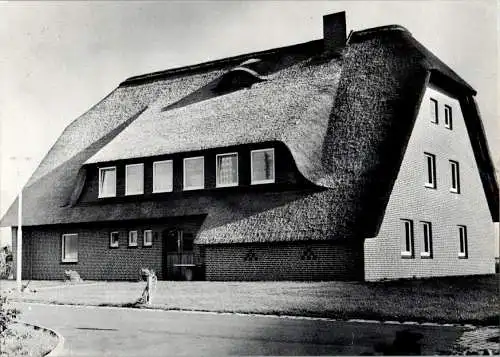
(100, 331)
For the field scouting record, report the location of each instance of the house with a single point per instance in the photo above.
(359, 157)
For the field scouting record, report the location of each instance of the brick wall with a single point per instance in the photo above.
(284, 261)
(96, 260)
(444, 209)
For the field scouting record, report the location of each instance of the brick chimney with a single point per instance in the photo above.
(334, 32)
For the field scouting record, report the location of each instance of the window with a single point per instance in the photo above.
(430, 161)
(148, 238)
(434, 112)
(162, 176)
(134, 179)
(132, 239)
(69, 248)
(427, 243)
(114, 239)
(407, 243)
(463, 251)
(448, 120)
(227, 170)
(107, 182)
(194, 173)
(262, 166)
(455, 177)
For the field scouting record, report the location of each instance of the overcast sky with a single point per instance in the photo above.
(57, 59)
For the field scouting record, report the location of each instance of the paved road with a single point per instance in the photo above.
(99, 331)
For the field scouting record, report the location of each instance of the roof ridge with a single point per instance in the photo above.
(311, 45)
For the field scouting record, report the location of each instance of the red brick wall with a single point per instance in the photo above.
(284, 262)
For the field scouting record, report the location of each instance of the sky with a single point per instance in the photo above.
(58, 59)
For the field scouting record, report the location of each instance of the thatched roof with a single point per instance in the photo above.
(346, 121)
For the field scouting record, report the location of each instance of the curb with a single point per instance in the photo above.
(60, 339)
(279, 316)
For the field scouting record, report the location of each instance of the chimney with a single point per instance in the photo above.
(334, 32)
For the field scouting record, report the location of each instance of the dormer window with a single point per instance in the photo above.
(194, 173)
(134, 179)
(107, 182)
(262, 166)
(227, 170)
(162, 176)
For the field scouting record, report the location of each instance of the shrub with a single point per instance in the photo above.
(5, 263)
(6, 315)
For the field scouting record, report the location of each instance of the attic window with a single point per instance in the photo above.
(134, 179)
(434, 112)
(262, 166)
(227, 170)
(162, 176)
(194, 173)
(107, 182)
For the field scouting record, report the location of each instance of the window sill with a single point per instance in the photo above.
(193, 188)
(107, 196)
(452, 190)
(217, 185)
(134, 193)
(133, 246)
(462, 256)
(162, 191)
(262, 182)
(147, 245)
(114, 247)
(426, 255)
(428, 185)
(406, 255)
(67, 261)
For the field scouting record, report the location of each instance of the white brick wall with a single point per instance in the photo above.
(444, 209)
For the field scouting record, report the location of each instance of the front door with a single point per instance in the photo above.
(178, 253)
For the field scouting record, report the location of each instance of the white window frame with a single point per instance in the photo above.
(130, 242)
(408, 239)
(432, 183)
(63, 243)
(144, 242)
(448, 117)
(259, 182)
(127, 191)
(455, 171)
(426, 235)
(109, 168)
(217, 184)
(111, 243)
(155, 179)
(184, 174)
(462, 234)
(435, 118)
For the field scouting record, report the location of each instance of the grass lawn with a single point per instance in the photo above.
(22, 340)
(472, 299)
